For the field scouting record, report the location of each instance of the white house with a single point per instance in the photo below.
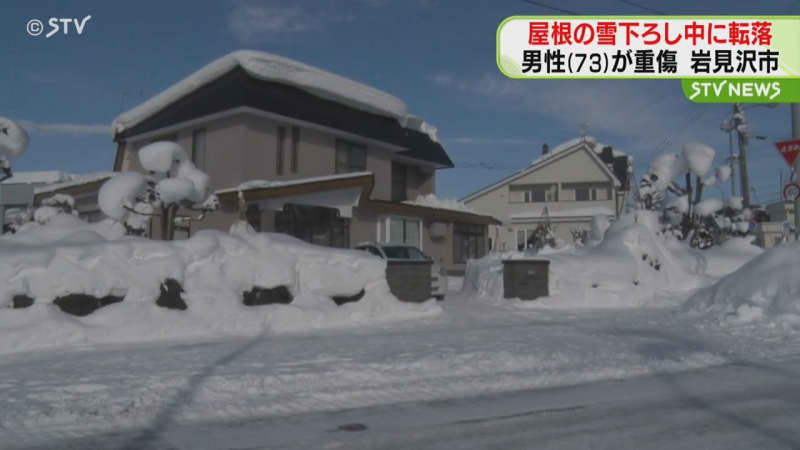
(565, 187)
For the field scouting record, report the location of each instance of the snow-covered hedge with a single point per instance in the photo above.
(633, 265)
(68, 256)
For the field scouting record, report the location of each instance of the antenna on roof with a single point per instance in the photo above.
(583, 127)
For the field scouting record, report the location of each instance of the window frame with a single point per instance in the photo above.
(196, 150)
(530, 191)
(386, 236)
(295, 149)
(280, 149)
(349, 149)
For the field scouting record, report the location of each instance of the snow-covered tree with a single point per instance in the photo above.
(687, 214)
(172, 182)
(13, 142)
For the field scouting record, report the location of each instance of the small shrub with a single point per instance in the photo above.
(267, 296)
(21, 301)
(170, 296)
(82, 304)
(342, 299)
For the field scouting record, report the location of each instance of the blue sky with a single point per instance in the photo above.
(437, 55)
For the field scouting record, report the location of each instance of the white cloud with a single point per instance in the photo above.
(251, 22)
(441, 78)
(72, 129)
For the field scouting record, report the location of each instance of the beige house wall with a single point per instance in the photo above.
(573, 167)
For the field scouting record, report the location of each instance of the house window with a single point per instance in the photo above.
(537, 193)
(405, 231)
(585, 192)
(279, 154)
(295, 149)
(399, 178)
(468, 242)
(314, 224)
(350, 157)
(199, 148)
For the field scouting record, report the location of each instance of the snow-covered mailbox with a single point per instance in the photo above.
(409, 280)
(526, 279)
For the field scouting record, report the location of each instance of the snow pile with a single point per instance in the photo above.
(598, 228)
(69, 256)
(269, 67)
(730, 255)
(766, 288)
(432, 201)
(632, 266)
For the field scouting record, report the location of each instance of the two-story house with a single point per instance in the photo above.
(565, 188)
(299, 150)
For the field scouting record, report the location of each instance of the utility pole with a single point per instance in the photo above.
(731, 159)
(795, 135)
(738, 119)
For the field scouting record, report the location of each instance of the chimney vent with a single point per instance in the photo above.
(545, 149)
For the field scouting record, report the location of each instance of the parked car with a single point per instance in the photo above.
(392, 251)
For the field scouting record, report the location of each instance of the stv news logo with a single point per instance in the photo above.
(35, 27)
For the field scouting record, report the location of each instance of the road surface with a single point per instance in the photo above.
(743, 404)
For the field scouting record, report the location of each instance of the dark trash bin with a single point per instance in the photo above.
(526, 279)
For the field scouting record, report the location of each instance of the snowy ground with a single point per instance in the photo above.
(149, 396)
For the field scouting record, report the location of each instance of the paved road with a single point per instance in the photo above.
(741, 405)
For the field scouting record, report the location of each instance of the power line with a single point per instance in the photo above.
(646, 8)
(546, 6)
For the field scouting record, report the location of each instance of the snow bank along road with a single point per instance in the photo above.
(148, 396)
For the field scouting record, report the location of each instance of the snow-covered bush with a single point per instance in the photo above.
(172, 182)
(13, 142)
(50, 207)
(686, 215)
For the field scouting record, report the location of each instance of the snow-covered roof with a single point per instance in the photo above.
(261, 184)
(269, 67)
(36, 177)
(591, 142)
(432, 201)
(70, 180)
(537, 213)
